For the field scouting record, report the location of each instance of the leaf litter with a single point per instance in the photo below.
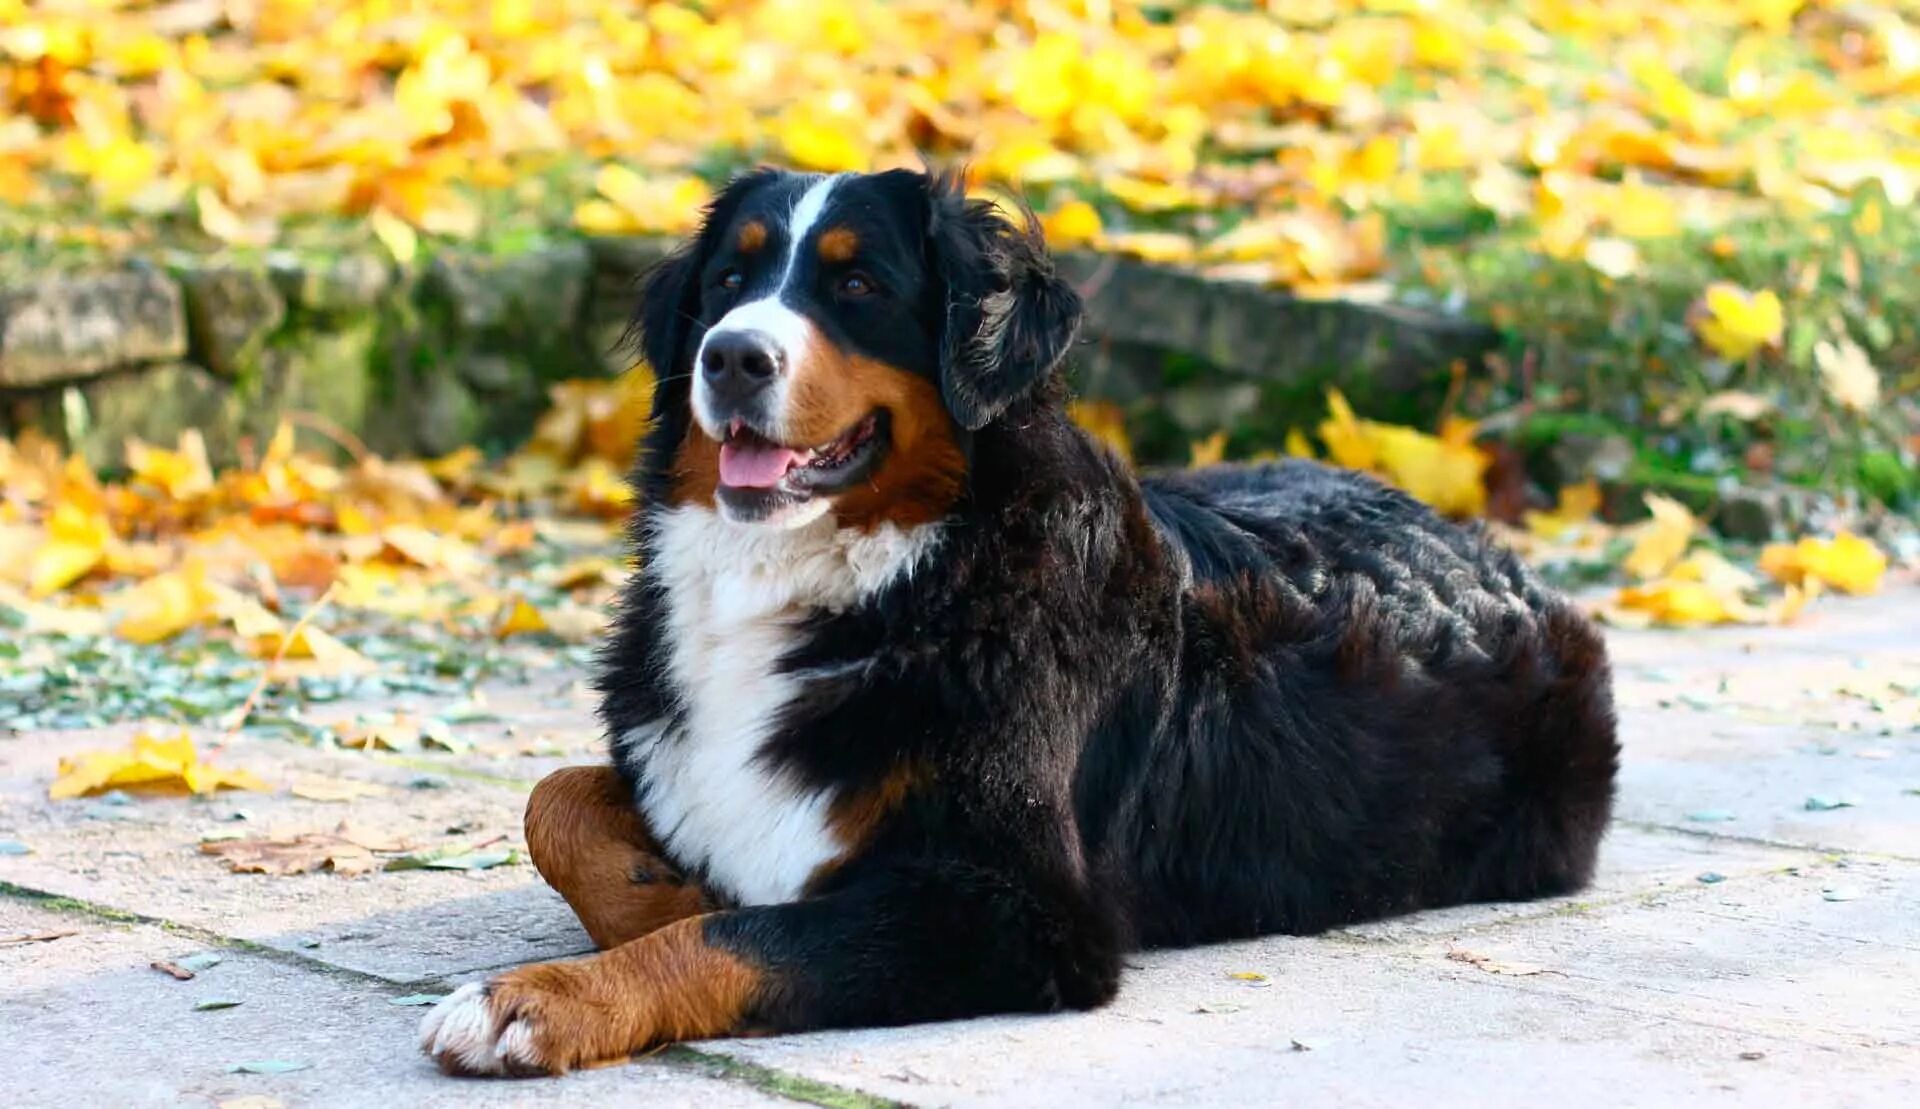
(1492, 965)
(351, 852)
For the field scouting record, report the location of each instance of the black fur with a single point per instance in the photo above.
(1138, 711)
(1009, 317)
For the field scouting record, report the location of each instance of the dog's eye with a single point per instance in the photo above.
(857, 285)
(731, 280)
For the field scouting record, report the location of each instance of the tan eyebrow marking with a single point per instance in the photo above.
(838, 244)
(753, 235)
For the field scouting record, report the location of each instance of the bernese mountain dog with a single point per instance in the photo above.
(923, 705)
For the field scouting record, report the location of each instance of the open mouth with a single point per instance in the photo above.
(759, 475)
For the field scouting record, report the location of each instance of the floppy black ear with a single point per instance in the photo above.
(1010, 318)
(669, 308)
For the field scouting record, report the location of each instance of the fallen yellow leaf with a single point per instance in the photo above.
(310, 652)
(1660, 542)
(76, 543)
(166, 764)
(49, 619)
(1736, 323)
(415, 544)
(1678, 603)
(181, 473)
(1075, 223)
(1846, 562)
(1347, 441)
(1210, 451)
(1105, 421)
(165, 605)
(1577, 505)
(1446, 471)
(518, 617)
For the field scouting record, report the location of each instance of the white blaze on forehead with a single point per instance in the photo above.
(768, 315)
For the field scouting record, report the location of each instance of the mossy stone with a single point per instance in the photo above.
(74, 326)
(230, 312)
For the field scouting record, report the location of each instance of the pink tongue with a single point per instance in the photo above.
(755, 467)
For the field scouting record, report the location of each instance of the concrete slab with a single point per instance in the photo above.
(95, 1025)
(1784, 978)
(420, 925)
(1823, 956)
(1634, 862)
(1708, 773)
(1341, 1026)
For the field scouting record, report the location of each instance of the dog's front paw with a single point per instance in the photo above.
(478, 1030)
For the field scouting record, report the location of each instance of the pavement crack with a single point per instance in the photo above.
(779, 1083)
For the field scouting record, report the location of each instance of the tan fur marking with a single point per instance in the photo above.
(662, 988)
(855, 817)
(753, 236)
(923, 471)
(590, 844)
(839, 244)
(696, 468)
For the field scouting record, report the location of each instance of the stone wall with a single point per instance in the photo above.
(460, 347)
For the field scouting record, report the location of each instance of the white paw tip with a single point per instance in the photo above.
(515, 1045)
(459, 1030)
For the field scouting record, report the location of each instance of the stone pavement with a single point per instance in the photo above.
(1753, 938)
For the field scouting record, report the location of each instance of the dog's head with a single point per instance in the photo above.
(828, 344)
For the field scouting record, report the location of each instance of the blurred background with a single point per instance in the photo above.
(309, 312)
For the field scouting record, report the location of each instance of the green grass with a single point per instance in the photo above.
(1619, 355)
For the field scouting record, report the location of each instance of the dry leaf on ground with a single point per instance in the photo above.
(1846, 562)
(1661, 541)
(341, 851)
(1492, 965)
(148, 763)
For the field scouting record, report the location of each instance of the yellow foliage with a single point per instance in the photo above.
(167, 764)
(518, 616)
(1152, 246)
(164, 606)
(1447, 470)
(1105, 421)
(1075, 223)
(290, 110)
(1846, 562)
(77, 541)
(1578, 505)
(1736, 323)
(181, 473)
(630, 204)
(1660, 542)
(1348, 443)
(1210, 451)
(1704, 589)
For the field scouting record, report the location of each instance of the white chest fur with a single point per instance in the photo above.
(736, 596)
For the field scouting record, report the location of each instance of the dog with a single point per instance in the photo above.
(924, 706)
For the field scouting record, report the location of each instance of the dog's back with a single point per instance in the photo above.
(1376, 711)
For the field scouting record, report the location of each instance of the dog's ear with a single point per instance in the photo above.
(669, 307)
(669, 312)
(1009, 318)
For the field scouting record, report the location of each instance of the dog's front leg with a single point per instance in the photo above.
(900, 945)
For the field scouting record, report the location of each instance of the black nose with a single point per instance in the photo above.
(739, 363)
